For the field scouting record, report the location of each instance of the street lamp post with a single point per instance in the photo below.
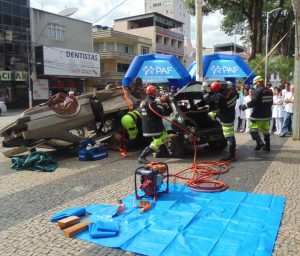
(267, 38)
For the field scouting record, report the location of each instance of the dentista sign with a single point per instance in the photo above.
(59, 61)
(12, 76)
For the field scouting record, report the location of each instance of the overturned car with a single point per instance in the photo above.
(64, 121)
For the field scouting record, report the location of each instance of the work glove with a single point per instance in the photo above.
(205, 87)
(243, 107)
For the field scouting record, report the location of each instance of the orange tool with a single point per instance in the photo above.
(145, 205)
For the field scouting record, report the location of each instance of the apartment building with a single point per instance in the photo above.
(175, 9)
(62, 54)
(117, 50)
(14, 50)
(158, 28)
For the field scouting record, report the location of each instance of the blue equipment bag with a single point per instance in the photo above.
(95, 153)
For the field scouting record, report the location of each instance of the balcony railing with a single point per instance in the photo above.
(169, 49)
(114, 75)
(117, 55)
(167, 32)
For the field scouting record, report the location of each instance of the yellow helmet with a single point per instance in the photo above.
(258, 79)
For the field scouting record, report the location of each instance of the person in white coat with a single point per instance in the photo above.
(248, 111)
(238, 104)
(277, 109)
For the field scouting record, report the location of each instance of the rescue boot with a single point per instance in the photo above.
(142, 158)
(259, 144)
(231, 155)
(162, 152)
(267, 146)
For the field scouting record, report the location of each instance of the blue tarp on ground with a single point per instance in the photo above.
(184, 222)
(157, 68)
(222, 66)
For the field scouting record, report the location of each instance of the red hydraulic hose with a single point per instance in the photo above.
(198, 176)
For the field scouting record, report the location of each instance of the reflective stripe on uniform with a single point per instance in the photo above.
(263, 125)
(157, 142)
(228, 130)
(231, 102)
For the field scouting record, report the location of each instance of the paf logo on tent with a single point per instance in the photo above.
(157, 70)
(224, 68)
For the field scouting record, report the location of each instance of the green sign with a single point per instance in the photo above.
(12, 76)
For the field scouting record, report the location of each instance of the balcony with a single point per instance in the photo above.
(116, 55)
(167, 32)
(112, 75)
(169, 49)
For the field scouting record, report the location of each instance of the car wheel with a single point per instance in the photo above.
(218, 145)
(0, 111)
(175, 146)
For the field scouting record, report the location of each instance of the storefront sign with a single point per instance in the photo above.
(12, 76)
(40, 89)
(58, 61)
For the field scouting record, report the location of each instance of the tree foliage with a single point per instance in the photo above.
(282, 64)
(248, 18)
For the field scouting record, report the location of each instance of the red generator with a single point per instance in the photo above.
(152, 177)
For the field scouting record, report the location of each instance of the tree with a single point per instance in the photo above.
(249, 16)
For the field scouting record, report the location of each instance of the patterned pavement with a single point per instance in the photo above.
(28, 199)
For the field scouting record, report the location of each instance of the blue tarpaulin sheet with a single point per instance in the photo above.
(184, 222)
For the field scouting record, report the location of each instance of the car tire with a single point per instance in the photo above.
(175, 146)
(218, 145)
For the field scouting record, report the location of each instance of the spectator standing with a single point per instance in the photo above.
(288, 111)
(248, 111)
(277, 110)
(237, 114)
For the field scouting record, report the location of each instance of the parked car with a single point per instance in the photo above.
(191, 112)
(3, 108)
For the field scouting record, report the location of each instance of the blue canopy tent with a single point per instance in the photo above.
(157, 68)
(223, 67)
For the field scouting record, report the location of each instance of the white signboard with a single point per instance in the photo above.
(40, 89)
(58, 61)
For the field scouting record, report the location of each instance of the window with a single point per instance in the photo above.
(110, 47)
(99, 47)
(122, 67)
(16, 10)
(124, 48)
(156, 4)
(6, 7)
(145, 50)
(56, 32)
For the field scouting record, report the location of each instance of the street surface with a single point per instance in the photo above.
(28, 199)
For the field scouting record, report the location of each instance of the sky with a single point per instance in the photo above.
(93, 10)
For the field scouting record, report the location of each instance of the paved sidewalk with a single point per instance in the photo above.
(29, 199)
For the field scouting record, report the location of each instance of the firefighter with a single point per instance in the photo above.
(262, 101)
(152, 123)
(132, 123)
(223, 99)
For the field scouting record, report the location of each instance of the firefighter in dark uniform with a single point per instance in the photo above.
(222, 99)
(152, 123)
(262, 101)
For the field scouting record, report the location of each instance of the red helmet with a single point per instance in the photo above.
(151, 89)
(215, 86)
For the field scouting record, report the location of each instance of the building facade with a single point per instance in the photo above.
(158, 28)
(14, 50)
(175, 9)
(117, 50)
(62, 53)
